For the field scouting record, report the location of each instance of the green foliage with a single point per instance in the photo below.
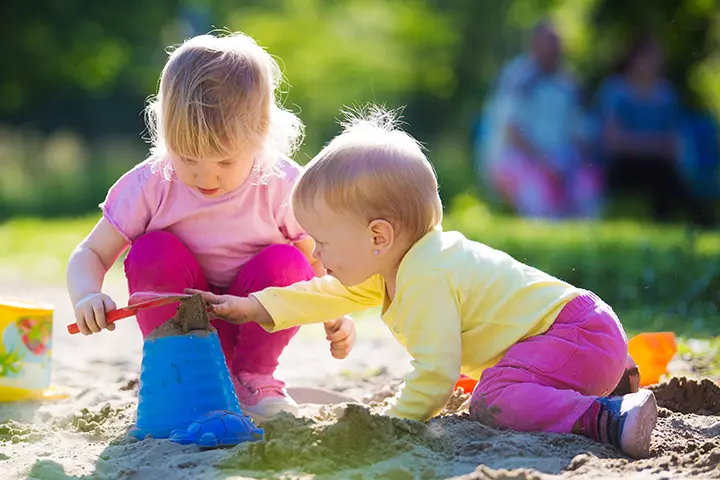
(37, 250)
(87, 68)
(346, 53)
(79, 47)
(61, 174)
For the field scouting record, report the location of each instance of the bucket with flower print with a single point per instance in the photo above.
(25, 349)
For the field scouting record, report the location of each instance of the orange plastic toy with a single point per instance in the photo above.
(466, 383)
(652, 351)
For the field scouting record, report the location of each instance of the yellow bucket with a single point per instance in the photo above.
(25, 349)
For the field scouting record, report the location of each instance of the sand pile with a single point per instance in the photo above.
(355, 442)
(355, 439)
(689, 396)
(191, 317)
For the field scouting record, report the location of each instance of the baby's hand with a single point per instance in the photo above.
(234, 309)
(90, 313)
(341, 335)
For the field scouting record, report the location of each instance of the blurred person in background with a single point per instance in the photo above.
(535, 160)
(640, 121)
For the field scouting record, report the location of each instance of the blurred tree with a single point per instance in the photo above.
(345, 53)
(77, 63)
(74, 62)
(88, 66)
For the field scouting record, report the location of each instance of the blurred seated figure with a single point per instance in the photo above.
(640, 122)
(700, 154)
(535, 160)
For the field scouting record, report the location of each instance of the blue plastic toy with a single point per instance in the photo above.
(182, 378)
(222, 428)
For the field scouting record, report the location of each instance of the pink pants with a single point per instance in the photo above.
(546, 382)
(159, 261)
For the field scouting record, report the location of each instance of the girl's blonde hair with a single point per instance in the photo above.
(217, 95)
(374, 170)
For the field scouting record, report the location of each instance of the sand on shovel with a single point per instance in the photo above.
(191, 317)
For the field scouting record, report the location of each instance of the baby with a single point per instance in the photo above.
(546, 354)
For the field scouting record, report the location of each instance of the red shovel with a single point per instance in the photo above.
(137, 301)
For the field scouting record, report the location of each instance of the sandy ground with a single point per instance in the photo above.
(84, 435)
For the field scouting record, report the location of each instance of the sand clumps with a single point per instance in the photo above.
(356, 438)
(352, 441)
(191, 317)
(18, 432)
(101, 422)
(689, 396)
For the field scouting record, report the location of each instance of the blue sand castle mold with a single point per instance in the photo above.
(182, 378)
(219, 429)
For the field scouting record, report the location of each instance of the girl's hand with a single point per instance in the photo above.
(90, 313)
(234, 309)
(341, 335)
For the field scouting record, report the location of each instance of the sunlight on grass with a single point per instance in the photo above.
(37, 250)
(476, 220)
(647, 320)
(656, 278)
(698, 358)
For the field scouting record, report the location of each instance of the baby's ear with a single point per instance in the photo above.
(382, 235)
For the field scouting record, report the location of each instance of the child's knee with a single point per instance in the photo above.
(487, 397)
(154, 244)
(278, 266)
(484, 409)
(156, 250)
(611, 352)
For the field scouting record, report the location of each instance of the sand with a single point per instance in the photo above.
(84, 435)
(689, 396)
(191, 317)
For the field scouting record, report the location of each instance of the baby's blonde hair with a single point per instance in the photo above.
(218, 94)
(374, 170)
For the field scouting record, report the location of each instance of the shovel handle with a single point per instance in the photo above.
(155, 300)
(110, 317)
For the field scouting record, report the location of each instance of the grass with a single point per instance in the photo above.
(478, 221)
(697, 359)
(37, 250)
(657, 278)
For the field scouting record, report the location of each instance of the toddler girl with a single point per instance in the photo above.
(547, 354)
(210, 207)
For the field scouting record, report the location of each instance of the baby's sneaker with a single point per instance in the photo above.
(263, 396)
(626, 422)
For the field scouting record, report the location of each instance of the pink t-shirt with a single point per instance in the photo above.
(223, 232)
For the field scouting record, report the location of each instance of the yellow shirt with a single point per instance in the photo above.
(459, 305)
